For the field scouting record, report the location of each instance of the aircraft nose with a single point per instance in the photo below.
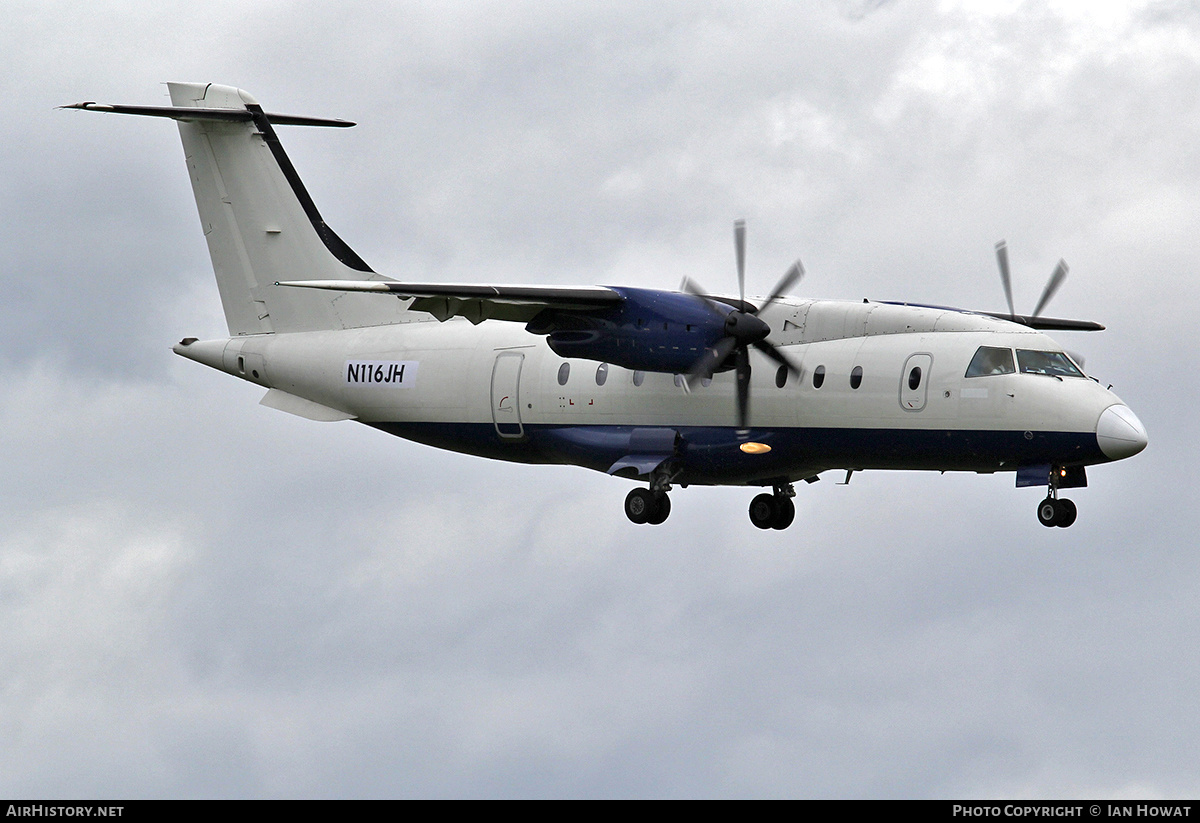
(1120, 433)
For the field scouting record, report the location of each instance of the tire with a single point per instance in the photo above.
(786, 513)
(763, 511)
(639, 505)
(1048, 512)
(662, 509)
(1066, 513)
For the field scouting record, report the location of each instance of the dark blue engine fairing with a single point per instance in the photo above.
(711, 455)
(650, 330)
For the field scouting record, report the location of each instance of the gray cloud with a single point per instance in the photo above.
(203, 597)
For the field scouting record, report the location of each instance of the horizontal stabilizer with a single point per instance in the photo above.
(189, 113)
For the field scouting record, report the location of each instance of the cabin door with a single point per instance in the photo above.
(914, 382)
(506, 396)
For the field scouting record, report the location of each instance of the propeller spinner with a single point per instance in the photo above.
(742, 329)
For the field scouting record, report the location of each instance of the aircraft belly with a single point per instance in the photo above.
(711, 455)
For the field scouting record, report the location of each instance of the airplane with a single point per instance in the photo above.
(650, 385)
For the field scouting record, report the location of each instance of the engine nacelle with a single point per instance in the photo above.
(650, 330)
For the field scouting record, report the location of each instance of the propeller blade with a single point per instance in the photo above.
(708, 362)
(739, 243)
(743, 388)
(772, 351)
(1005, 278)
(790, 278)
(1056, 280)
(692, 287)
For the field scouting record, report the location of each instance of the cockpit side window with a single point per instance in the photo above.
(991, 360)
(1047, 362)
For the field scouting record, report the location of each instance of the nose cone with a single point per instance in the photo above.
(1120, 433)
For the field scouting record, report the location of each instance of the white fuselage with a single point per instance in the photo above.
(501, 383)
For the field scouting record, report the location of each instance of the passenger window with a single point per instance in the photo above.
(639, 377)
(991, 360)
(856, 377)
(1047, 362)
(679, 381)
(601, 374)
(818, 376)
(564, 372)
(781, 377)
(914, 378)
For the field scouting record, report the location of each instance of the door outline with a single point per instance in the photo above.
(913, 400)
(506, 394)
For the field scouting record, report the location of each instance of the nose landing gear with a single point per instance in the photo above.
(1055, 510)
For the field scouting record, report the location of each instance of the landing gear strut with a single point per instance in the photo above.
(1055, 510)
(774, 511)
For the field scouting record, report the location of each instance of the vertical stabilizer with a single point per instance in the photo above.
(260, 222)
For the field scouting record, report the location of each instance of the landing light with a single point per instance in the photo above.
(755, 448)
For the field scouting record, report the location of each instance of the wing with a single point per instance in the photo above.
(1032, 321)
(1045, 323)
(475, 302)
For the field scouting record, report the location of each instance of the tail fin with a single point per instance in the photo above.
(260, 222)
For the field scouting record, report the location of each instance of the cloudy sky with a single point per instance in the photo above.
(200, 596)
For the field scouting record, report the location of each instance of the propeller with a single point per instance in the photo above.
(742, 328)
(1052, 285)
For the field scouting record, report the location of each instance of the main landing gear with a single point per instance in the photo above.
(774, 511)
(651, 505)
(646, 506)
(767, 511)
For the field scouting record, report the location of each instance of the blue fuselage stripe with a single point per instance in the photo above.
(711, 455)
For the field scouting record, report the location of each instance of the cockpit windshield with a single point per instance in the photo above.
(1054, 363)
(991, 360)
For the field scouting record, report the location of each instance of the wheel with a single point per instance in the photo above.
(639, 505)
(764, 511)
(1066, 512)
(662, 508)
(1048, 512)
(786, 513)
